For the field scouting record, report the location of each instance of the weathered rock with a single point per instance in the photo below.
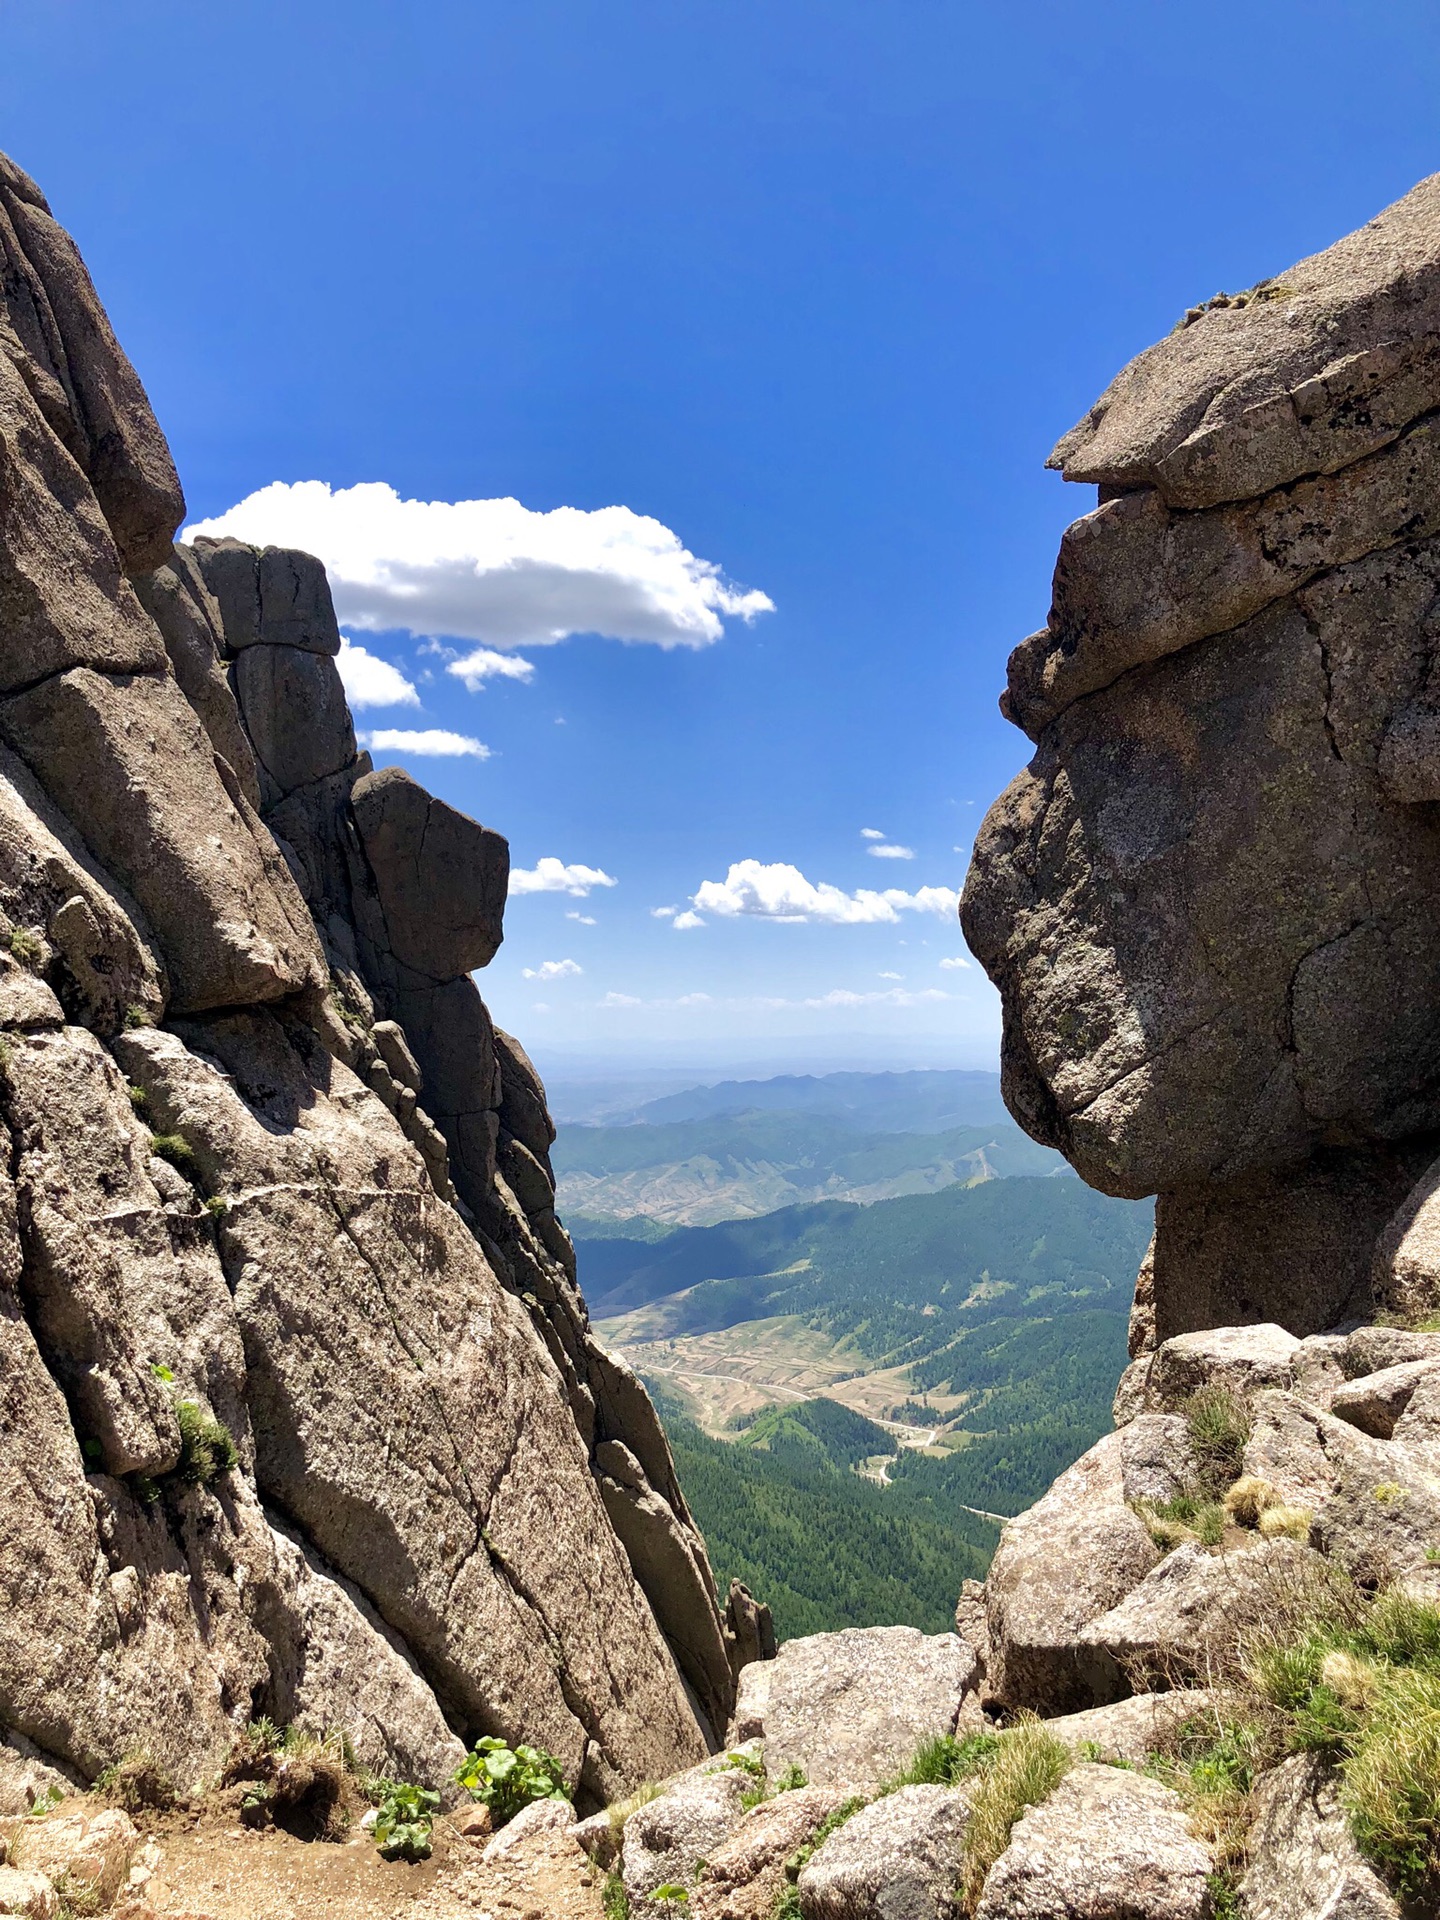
(1406, 1276)
(1237, 1360)
(28, 1893)
(178, 601)
(88, 1853)
(1203, 902)
(749, 1628)
(541, 1816)
(405, 1414)
(1158, 1458)
(1304, 1863)
(89, 393)
(26, 1777)
(441, 877)
(897, 1859)
(745, 1875)
(1373, 1349)
(1376, 1401)
(295, 715)
(666, 1839)
(268, 596)
(129, 763)
(1131, 1730)
(1169, 1629)
(1303, 374)
(354, 1675)
(1106, 1842)
(850, 1708)
(752, 1702)
(1064, 1562)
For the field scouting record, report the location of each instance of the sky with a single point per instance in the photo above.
(667, 385)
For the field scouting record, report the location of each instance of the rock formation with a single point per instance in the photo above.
(1209, 902)
(300, 1412)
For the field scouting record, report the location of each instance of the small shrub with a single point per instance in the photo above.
(1219, 1424)
(139, 1099)
(217, 1206)
(25, 946)
(206, 1448)
(135, 1784)
(1026, 1767)
(506, 1779)
(403, 1822)
(138, 1017)
(175, 1148)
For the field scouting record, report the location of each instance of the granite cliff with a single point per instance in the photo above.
(1209, 902)
(300, 1414)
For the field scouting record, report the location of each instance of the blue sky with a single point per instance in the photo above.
(813, 287)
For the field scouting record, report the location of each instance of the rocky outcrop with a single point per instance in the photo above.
(1207, 901)
(300, 1411)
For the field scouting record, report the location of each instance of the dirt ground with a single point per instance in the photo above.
(211, 1869)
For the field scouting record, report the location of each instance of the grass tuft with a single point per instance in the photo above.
(1027, 1765)
(1219, 1424)
(206, 1448)
(944, 1761)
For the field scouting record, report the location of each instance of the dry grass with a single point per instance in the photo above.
(1026, 1766)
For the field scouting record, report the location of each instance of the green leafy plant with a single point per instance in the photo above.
(671, 1890)
(24, 945)
(139, 1099)
(175, 1148)
(792, 1778)
(138, 1017)
(614, 1898)
(505, 1779)
(403, 1821)
(944, 1761)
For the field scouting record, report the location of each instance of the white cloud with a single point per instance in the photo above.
(491, 570)
(621, 1000)
(427, 740)
(370, 681)
(889, 976)
(950, 965)
(889, 851)
(485, 664)
(552, 970)
(664, 913)
(694, 1000)
(550, 875)
(684, 922)
(585, 919)
(893, 997)
(778, 891)
(871, 833)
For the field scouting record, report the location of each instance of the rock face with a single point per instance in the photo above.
(300, 1412)
(1207, 900)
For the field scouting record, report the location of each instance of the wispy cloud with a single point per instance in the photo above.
(552, 970)
(955, 961)
(888, 850)
(492, 571)
(872, 833)
(370, 681)
(778, 891)
(424, 740)
(585, 919)
(621, 1000)
(550, 875)
(892, 997)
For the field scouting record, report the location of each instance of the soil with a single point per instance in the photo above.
(209, 1868)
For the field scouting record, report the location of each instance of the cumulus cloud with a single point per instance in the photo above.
(550, 875)
(491, 570)
(684, 922)
(663, 913)
(585, 919)
(778, 891)
(485, 664)
(871, 833)
(552, 970)
(957, 960)
(888, 850)
(370, 681)
(426, 740)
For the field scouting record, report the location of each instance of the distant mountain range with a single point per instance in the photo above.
(747, 1147)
